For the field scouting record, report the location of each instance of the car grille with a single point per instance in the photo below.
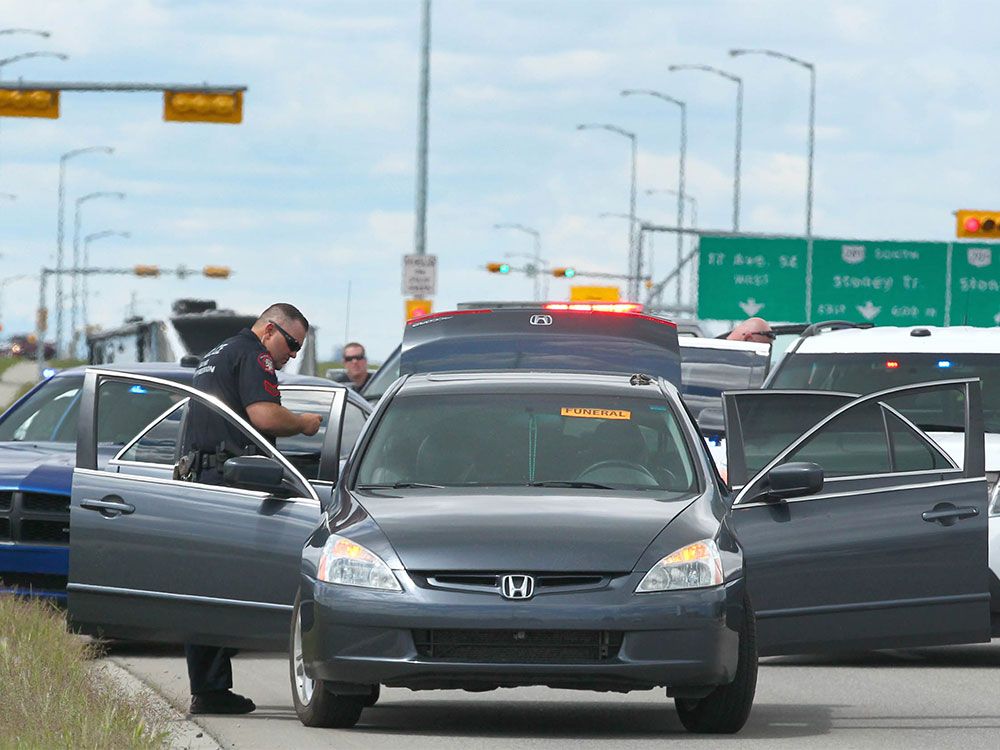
(34, 517)
(518, 646)
(489, 583)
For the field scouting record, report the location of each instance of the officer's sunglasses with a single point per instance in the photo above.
(293, 343)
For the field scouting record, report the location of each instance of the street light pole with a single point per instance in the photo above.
(537, 257)
(633, 270)
(75, 280)
(689, 198)
(86, 264)
(59, 233)
(739, 130)
(812, 118)
(420, 225)
(682, 160)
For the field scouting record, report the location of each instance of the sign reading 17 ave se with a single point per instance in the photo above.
(883, 282)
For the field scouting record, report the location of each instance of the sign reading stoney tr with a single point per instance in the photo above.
(975, 285)
(885, 282)
(419, 275)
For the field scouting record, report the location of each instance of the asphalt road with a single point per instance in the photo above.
(940, 698)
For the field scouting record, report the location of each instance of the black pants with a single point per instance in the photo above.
(210, 668)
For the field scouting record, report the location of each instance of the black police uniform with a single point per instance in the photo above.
(239, 372)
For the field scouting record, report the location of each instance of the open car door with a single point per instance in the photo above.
(889, 547)
(160, 559)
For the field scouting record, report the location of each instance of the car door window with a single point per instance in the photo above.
(354, 421)
(909, 451)
(158, 445)
(304, 451)
(854, 443)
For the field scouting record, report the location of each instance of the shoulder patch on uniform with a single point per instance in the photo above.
(272, 388)
(265, 362)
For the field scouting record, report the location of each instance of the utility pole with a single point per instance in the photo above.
(420, 238)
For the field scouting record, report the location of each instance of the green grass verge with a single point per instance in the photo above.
(52, 695)
(62, 364)
(7, 362)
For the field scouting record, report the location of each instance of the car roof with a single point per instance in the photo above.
(904, 340)
(174, 371)
(530, 381)
(694, 342)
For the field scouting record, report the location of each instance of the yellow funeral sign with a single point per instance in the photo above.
(579, 411)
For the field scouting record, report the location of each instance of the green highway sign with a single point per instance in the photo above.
(975, 285)
(879, 281)
(742, 277)
(886, 283)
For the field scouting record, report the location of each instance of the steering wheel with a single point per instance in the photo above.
(615, 463)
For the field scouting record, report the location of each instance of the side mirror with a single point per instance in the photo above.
(259, 473)
(796, 479)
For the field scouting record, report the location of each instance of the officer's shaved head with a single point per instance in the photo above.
(282, 312)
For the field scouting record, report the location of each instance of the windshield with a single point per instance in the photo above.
(868, 373)
(505, 439)
(50, 414)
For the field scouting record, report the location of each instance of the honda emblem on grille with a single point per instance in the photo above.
(541, 320)
(517, 587)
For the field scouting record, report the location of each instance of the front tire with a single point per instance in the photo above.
(726, 709)
(314, 704)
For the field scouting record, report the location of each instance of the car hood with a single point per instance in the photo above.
(953, 443)
(533, 530)
(42, 467)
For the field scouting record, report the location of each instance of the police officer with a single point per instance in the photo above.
(241, 373)
(355, 366)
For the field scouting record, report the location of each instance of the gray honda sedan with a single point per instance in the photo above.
(502, 529)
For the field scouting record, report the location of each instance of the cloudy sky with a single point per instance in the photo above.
(315, 190)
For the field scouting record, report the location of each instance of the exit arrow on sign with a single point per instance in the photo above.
(751, 307)
(868, 310)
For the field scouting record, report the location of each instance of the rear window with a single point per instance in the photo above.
(505, 439)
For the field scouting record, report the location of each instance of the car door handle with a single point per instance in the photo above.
(109, 508)
(947, 514)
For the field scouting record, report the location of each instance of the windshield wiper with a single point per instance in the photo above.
(571, 484)
(400, 486)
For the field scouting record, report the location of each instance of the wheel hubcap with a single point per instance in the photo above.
(304, 684)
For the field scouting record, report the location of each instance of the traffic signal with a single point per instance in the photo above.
(977, 224)
(146, 270)
(216, 272)
(498, 267)
(564, 273)
(192, 106)
(37, 103)
(417, 308)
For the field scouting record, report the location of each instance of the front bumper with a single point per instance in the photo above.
(353, 636)
(37, 571)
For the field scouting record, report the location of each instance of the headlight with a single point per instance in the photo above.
(693, 567)
(349, 564)
(995, 500)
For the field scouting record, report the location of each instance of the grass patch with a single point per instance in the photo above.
(62, 364)
(8, 362)
(51, 694)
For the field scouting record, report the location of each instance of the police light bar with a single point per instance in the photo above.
(612, 307)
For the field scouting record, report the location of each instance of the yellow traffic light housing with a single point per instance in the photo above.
(216, 272)
(498, 267)
(977, 225)
(28, 103)
(564, 273)
(417, 308)
(146, 270)
(192, 106)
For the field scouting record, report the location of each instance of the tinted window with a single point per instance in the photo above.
(382, 379)
(354, 420)
(200, 333)
(159, 444)
(707, 372)
(770, 422)
(909, 451)
(852, 444)
(303, 451)
(868, 373)
(499, 439)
